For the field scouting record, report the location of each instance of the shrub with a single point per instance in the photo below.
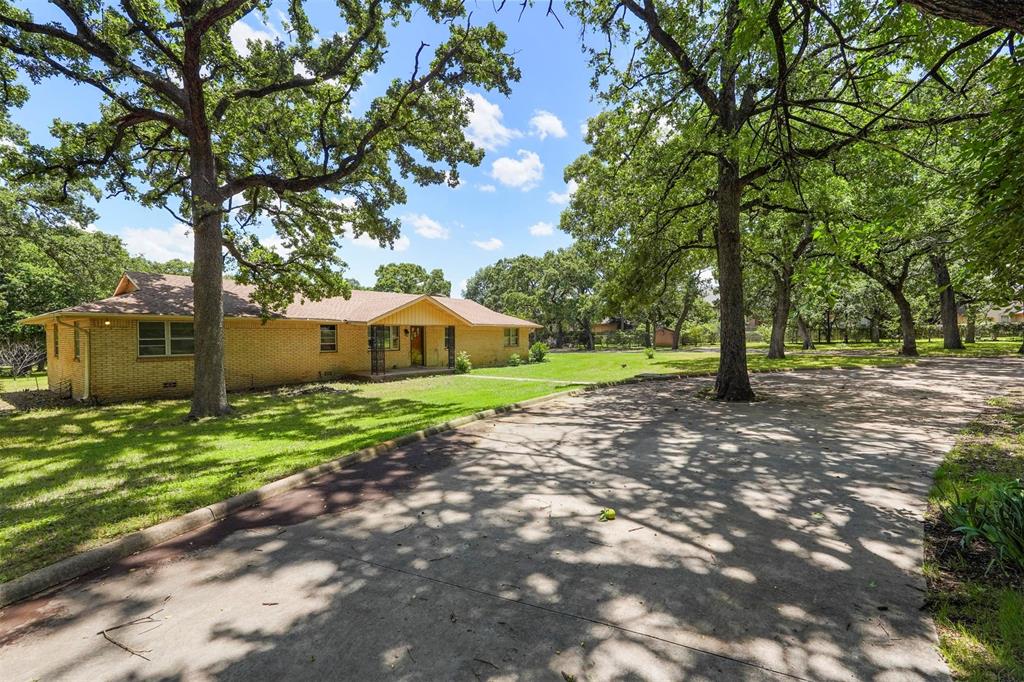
(514, 360)
(995, 515)
(462, 363)
(649, 352)
(538, 351)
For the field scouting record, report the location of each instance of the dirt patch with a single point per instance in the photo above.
(23, 401)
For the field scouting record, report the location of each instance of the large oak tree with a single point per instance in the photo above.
(758, 89)
(232, 139)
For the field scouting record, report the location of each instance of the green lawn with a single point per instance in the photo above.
(30, 382)
(73, 478)
(925, 348)
(978, 610)
(617, 365)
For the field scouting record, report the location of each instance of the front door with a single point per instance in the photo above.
(416, 346)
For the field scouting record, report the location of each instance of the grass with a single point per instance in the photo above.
(74, 478)
(30, 382)
(980, 349)
(978, 609)
(617, 365)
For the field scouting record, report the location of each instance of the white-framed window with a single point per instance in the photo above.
(391, 334)
(328, 338)
(78, 342)
(511, 336)
(166, 338)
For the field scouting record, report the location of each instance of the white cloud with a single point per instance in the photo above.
(563, 199)
(426, 227)
(277, 245)
(545, 123)
(461, 290)
(486, 188)
(368, 242)
(485, 127)
(490, 245)
(301, 70)
(542, 229)
(160, 244)
(583, 129)
(241, 33)
(523, 173)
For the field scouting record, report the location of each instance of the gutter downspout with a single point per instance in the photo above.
(86, 361)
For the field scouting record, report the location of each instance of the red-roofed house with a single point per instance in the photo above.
(139, 342)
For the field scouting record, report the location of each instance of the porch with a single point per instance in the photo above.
(402, 373)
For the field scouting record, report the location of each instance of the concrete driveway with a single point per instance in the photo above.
(774, 540)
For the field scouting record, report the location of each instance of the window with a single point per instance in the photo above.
(391, 336)
(78, 342)
(56, 342)
(328, 338)
(166, 338)
(511, 336)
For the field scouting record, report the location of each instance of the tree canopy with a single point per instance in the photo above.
(231, 140)
(410, 278)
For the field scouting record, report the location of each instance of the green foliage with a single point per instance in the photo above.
(295, 132)
(649, 353)
(410, 278)
(994, 514)
(991, 168)
(463, 363)
(558, 289)
(514, 360)
(538, 351)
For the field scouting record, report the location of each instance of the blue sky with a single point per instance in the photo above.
(508, 205)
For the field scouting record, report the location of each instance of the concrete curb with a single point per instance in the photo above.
(78, 565)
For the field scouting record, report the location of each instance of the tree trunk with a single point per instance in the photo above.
(906, 323)
(590, 334)
(732, 382)
(970, 331)
(947, 300)
(688, 297)
(209, 394)
(780, 318)
(1008, 14)
(805, 332)
(876, 330)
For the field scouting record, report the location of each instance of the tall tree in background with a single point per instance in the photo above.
(228, 139)
(410, 278)
(754, 88)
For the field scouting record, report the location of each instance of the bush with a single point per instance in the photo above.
(514, 360)
(538, 351)
(649, 352)
(462, 363)
(995, 515)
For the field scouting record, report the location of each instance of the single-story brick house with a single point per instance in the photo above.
(139, 342)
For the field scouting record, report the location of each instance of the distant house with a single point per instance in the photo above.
(139, 342)
(1013, 314)
(663, 336)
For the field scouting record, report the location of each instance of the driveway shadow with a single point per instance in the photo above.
(772, 540)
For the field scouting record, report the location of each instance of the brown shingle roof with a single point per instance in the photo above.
(153, 294)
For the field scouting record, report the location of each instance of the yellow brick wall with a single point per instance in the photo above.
(63, 369)
(486, 345)
(256, 355)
